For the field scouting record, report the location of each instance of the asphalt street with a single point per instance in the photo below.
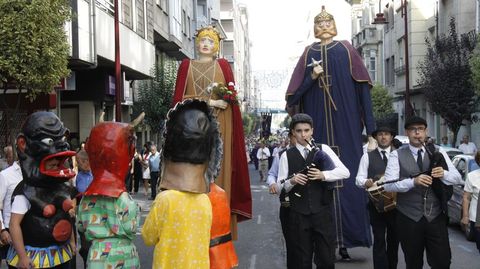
(261, 245)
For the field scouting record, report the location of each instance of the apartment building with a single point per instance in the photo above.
(425, 19)
(236, 46)
(91, 87)
(368, 37)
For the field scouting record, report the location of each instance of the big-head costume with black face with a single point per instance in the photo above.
(43, 139)
(192, 141)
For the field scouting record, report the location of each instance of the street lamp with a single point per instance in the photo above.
(380, 18)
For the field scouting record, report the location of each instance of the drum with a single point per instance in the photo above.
(382, 200)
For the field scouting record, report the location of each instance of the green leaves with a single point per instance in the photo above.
(33, 45)
(155, 95)
(381, 102)
(446, 77)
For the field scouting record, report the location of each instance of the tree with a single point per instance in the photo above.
(382, 105)
(33, 52)
(475, 68)
(155, 95)
(33, 45)
(286, 122)
(446, 77)
(381, 102)
(248, 121)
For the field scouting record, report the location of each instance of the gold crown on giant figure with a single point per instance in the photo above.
(324, 16)
(210, 29)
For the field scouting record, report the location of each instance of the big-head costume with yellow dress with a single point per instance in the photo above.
(180, 221)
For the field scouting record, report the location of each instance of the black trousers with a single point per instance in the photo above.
(476, 234)
(385, 240)
(417, 237)
(153, 183)
(284, 218)
(312, 233)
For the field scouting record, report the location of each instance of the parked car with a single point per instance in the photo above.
(464, 164)
(451, 152)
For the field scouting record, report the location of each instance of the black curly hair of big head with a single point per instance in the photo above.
(42, 138)
(190, 132)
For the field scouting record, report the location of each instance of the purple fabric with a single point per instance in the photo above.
(359, 72)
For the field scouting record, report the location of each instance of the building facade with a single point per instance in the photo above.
(425, 19)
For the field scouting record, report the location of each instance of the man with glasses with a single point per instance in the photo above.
(421, 220)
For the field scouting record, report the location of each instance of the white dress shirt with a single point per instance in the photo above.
(9, 179)
(450, 177)
(362, 174)
(263, 153)
(469, 148)
(340, 171)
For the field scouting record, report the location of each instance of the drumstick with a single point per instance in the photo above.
(388, 182)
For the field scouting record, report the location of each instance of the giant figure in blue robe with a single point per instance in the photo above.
(331, 84)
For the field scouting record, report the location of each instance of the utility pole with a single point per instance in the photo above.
(118, 80)
(408, 105)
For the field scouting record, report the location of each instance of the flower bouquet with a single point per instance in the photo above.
(228, 93)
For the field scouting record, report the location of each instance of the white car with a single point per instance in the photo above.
(464, 164)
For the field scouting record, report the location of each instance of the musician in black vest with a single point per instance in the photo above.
(372, 167)
(421, 218)
(311, 224)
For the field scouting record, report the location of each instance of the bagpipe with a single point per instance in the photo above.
(442, 191)
(316, 158)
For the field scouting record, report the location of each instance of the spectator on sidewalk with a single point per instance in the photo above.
(470, 201)
(9, 178)
(263, 154)
(467, 147)
(445, 142)
(154, 165)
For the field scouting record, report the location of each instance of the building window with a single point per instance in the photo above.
(162, 4)
(401, 51)
(372, 67)
(184, 22)
(176, 19)
(189, 27)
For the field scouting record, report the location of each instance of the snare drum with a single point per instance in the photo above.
(382, 200)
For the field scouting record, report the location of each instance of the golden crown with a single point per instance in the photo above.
(210, 29)
(324, 16)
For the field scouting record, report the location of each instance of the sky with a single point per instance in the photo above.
(279, 31)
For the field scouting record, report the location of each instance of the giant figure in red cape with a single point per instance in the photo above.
(194, 79)
(331, 84)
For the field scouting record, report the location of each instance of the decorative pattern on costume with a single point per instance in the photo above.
(43, 257)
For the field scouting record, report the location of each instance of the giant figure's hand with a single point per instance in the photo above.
(372, 144)
(218, 103)
(317, 70)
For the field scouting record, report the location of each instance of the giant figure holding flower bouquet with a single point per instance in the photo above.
(205, 78)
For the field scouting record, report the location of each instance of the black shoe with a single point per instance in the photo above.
(151, 198)
(344, 254)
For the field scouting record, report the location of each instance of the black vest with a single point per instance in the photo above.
(313, 196)
(376, 166)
